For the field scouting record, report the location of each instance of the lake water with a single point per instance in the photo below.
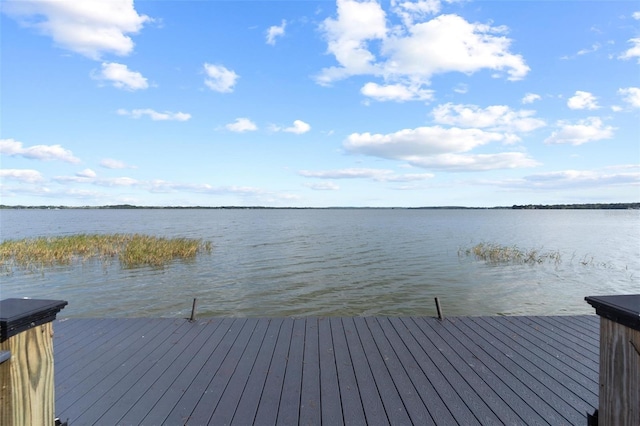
(338, 262)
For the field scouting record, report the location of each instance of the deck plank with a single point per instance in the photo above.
(353, 412)
(289, 407)
(229, 397)
(249, 400)
(269, 404)
(541, 376)
(330, 402)
(340, 370)
(562, 355)
(369, 394)
(211, 386)
(160, 377)
(127, 384)
(413, 404)
(391, 399)
(310, 404)
(490, 363)
(432, 389)
(475, 393)
(102, 372)
(185, 392)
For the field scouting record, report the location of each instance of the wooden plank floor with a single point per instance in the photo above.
(331, 371)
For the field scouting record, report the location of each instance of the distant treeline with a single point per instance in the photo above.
(592, 206)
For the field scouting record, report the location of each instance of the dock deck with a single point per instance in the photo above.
(331, 371)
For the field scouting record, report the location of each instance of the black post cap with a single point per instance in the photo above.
(18, 315)
(623, 309)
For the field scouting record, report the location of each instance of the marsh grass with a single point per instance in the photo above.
(132, 250)
(500, 254)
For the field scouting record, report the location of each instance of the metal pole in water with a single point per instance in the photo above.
(439, 309)
(193, 310)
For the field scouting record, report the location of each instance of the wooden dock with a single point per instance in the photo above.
(327, 371)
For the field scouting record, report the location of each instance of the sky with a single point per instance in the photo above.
(319, 103)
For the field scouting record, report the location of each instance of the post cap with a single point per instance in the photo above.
(18, 315)
(623, 309)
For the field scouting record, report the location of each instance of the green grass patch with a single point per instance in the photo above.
(132, 250)
(500, 254)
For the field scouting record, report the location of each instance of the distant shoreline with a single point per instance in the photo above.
(589, 206)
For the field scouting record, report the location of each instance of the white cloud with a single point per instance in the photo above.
(347, 37)
(636, 15)
(88, 27)
(275, 31)
(106, 182)
(396, 92)
(21, 175)
(634, 51)
(411, 144)
(530, 98)
(583, 100)
(299, 127)
(379, 175)
(450, 43)
(495, 117)
(438, 147)
(86, 173)
(121, 77)
(588, 130)
(219, 78)
(573, 179)
(410, 11)
(631, 95)
(241, 125)
(155, 115)
(323, 186)
(110, 163)
(119, 181)
(412, 53)
(594, 47)
(461, 88)
(476, 162)
(12, 148)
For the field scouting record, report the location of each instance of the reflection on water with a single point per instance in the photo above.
(339, 262)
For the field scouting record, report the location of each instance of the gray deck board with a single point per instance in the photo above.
(310, 413)
(289, 407)
(352, 409)
(270, 400)
(249, 399)
(331, 405)
(540, 375)
(369, 395)
(332, 371)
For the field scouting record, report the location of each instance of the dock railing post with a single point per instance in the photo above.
(26, 372)
(619, 396)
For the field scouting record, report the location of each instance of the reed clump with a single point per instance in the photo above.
(132, 250)
(501, 254)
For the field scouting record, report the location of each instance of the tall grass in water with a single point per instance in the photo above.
(500, 254)
(131, 250)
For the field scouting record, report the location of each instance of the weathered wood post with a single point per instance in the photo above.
(619, 400)
(26, 376)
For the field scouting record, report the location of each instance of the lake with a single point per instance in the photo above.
(326, 262)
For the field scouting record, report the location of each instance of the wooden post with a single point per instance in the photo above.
(619, 399)
(26, 378)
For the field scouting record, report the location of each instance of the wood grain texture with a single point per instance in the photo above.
(619, 374)
(26, 380)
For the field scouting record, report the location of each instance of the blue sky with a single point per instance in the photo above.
(319, 103)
